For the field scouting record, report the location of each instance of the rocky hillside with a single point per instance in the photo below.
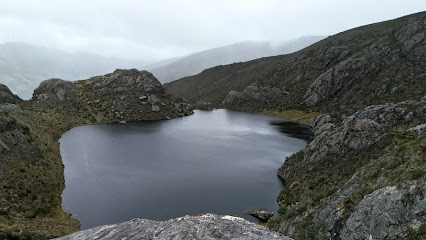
(6, 96)
(362, 176)
(206, 226)
(359, 176)
(31, 170)
(352, 69)
(124, 95)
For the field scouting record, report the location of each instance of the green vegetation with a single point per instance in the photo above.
(31, 169)
(396, 159)
(32, 179)
(417, 234)
(294, 115)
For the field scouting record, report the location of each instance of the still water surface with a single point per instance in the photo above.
(220, 161)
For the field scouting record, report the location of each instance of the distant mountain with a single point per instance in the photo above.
(197, 62)
(163, 62)
(239, 52)
(23, 66)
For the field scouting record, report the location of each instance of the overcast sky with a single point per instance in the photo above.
(154, 30)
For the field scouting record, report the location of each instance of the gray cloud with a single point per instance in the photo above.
(154, 30)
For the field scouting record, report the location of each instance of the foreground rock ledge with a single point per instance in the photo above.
(207, 226)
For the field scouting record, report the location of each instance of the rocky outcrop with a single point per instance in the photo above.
(54, 92)
(206, 226)
(387, 114)
(6, 96)
(337, 139)
(124, 95)
(358, 142)
(387, 213)
(124, 81)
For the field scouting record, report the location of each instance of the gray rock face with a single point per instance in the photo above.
(155, 108)
(412, 39)
(387, 213)
(418, 128)
(331, 139)
(357, 135)
(135, 95)
(207, 226)
(122, 81)
(232, 97)
(54, 92)
(6, 96)
(387, 114)
(330, 82)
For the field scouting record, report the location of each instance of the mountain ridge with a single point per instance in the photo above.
(195, 63)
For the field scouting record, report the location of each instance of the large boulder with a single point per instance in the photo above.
(206, 226)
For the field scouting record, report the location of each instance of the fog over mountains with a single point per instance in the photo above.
(238, 52)
(23, 66)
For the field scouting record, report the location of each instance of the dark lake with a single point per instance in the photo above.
(220, 161)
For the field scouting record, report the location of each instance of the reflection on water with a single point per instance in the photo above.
(220, 161)
(293, 129)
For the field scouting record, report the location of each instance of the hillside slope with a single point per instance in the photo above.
(363, 175)
(365, 65)
(31, 170)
